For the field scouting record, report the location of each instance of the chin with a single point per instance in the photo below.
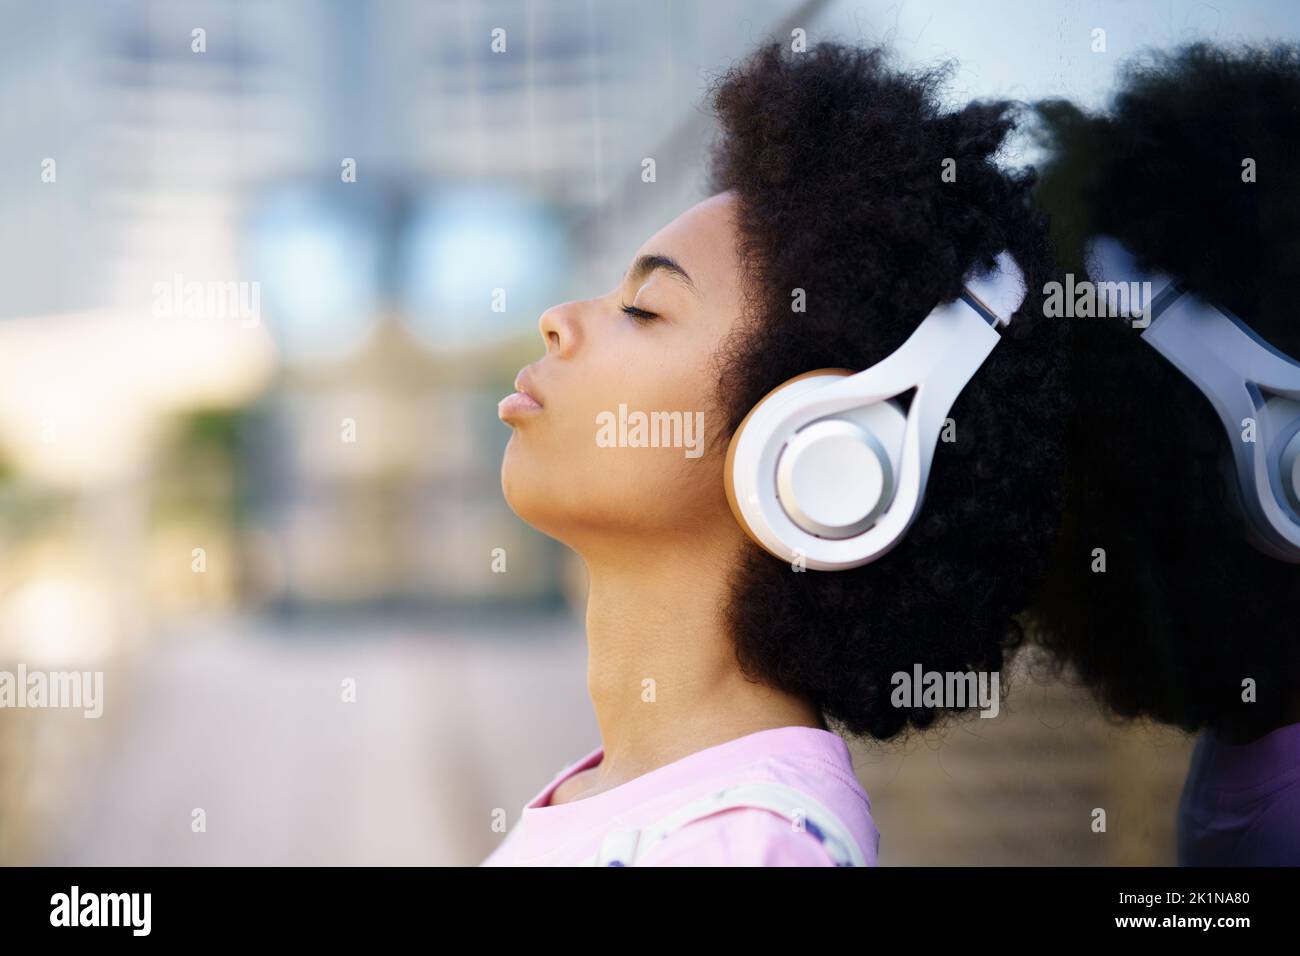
(514, 482)
(522, 485)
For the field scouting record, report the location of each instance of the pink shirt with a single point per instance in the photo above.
(813, 761)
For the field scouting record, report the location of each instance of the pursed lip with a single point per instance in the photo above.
(523, 401)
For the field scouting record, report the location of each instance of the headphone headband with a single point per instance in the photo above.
(1245, 379)
(997, 293)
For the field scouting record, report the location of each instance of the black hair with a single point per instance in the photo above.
(1186, 609)
(837, 162)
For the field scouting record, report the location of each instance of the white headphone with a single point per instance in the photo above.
(1246, 380)
(829, 468)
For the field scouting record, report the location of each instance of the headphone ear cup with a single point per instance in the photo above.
(728, 472)
(1290, 469)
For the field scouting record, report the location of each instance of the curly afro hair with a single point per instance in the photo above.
(837, 164)
(1186, 609)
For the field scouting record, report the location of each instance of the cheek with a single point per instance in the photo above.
(653, 420)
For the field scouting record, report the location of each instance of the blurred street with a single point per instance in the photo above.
(249, 725)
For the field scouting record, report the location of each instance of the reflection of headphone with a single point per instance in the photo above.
(1254, 388)
(830, 467)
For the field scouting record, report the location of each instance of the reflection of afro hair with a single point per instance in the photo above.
(837, 164)
(1185, 609)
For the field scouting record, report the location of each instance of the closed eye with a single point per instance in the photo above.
(640, 315)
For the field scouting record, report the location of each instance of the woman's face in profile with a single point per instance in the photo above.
(578, 468)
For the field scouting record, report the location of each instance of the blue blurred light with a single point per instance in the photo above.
(464, 244)
(319, 260)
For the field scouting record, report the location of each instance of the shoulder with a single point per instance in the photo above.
(739, 836)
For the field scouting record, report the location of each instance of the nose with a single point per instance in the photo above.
(561, 329)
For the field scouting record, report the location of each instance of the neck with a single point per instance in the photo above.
(662, 669)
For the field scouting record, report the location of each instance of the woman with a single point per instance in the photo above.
(845, 204)
(1193, 171)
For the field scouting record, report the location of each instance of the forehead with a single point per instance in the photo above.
(702, 240)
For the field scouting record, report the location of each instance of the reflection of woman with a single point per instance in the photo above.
(712, 664)
(1189, 624)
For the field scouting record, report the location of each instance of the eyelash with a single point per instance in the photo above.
(639, 315)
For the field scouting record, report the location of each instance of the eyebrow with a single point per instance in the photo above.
(644, 265)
